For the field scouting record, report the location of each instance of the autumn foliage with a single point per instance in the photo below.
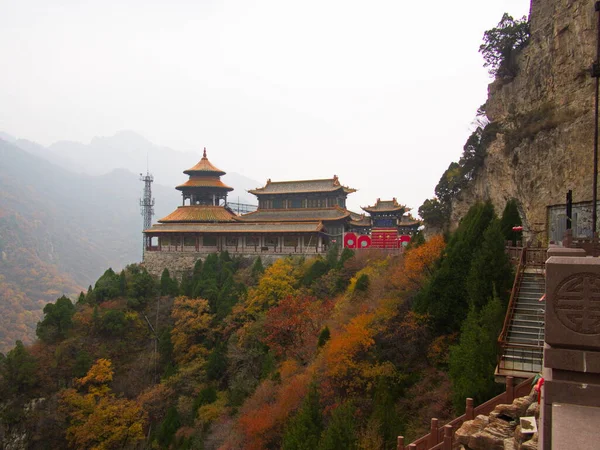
(99, 420)
(300, 352)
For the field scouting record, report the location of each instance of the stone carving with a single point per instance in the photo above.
(577, 303)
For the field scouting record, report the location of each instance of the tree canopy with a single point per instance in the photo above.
(501, 44)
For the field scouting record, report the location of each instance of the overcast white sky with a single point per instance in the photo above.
(382, 93)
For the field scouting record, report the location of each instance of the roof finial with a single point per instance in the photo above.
(204, 155)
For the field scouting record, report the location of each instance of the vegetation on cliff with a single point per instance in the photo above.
(500, 47)
(340, 352)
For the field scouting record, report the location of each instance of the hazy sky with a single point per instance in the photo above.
(382, 93)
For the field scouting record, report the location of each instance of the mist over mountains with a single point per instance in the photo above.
(128, 150)
(70, 211)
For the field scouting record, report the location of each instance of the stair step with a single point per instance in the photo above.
(530, 309)
(522, 359)
(527, 294)
(525, 329)
(519, 340)
(534, 352)
(533, 334)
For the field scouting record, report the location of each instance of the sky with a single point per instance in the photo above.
(381, 93)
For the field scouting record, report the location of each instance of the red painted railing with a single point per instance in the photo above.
(442, 438)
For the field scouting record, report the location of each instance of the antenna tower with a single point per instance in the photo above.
(147, 206)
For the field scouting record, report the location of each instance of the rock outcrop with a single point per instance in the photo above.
(501, 430)
(545, 117)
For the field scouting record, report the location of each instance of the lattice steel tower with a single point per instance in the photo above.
(147, 206)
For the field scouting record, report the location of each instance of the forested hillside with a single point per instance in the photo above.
(58, 232)
(348, 351)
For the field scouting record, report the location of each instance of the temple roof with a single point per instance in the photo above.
(195, 181)
(408, 221)
(359, 220)
(237, 227)
(199, 213)
(204, 167)
(385, 206)
(301, 186)
(296, 214)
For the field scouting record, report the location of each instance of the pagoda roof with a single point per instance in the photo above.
(199, 214)
(385, 206)
(301, 186)
(236, 227)
(408, 221)
(204, 167)
(359, 220)
(296, 215)
(195, 181)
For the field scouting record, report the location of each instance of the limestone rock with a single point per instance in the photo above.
(516, 409)
(493, 436)
(509, 444)
(531, 444)
(546, 117)
(500, 430)
(471, 427)
(533, 410)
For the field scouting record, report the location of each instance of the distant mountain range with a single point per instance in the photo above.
(66, 216)
(128, 150)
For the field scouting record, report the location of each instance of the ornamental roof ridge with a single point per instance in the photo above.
(200, 214)
(204, 166)
(205, 182)
(385, 205)
(298, 186)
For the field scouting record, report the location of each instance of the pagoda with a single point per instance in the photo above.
(204, 186)
(385, 218)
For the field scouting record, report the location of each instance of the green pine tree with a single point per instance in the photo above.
(341, 430)
(18, 370)
(490, 270)
(511, 218)
(445, 298)
(473, 360)
(168, 428)
(304, 429)
(257, 269)
(165, 282)
(57, 320)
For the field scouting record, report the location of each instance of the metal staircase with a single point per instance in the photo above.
(522, 338)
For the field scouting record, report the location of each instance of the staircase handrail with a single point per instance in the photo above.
(510, 311)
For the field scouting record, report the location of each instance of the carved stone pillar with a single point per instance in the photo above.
(570, 406)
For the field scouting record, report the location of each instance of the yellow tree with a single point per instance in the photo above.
(276, 284)
(99, 420)
(192, 325)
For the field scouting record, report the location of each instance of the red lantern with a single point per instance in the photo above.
(364, 241)
(349, 240)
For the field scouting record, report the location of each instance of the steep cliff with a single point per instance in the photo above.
(545, 115)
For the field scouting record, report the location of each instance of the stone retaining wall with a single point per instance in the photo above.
(179, 263)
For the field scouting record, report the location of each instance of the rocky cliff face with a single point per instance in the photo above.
(545, 115)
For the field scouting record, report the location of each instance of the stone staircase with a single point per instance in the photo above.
(523, 350)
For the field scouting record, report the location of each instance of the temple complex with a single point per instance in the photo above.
(293, 217)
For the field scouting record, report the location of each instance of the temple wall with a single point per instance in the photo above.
(180, 262)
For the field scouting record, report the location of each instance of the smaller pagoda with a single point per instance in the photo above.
(386, 214)
(204, 186)
(385, 217)
(205, 194)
